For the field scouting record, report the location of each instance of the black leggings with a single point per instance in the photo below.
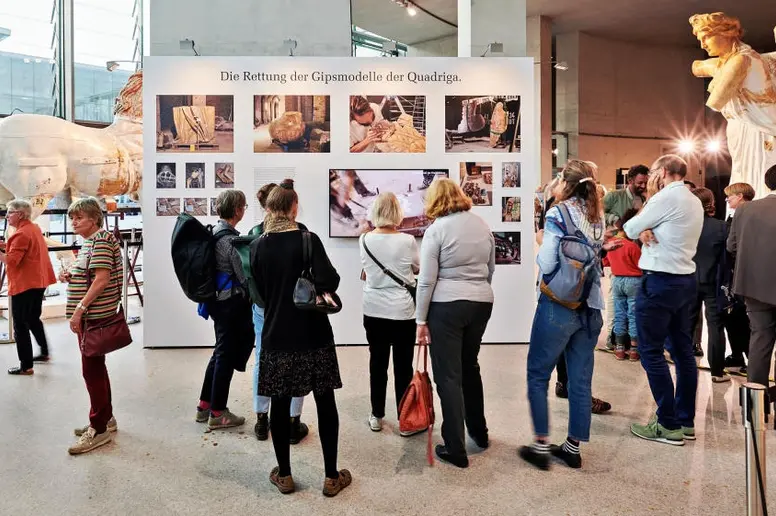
(563, 375)
(328, 427)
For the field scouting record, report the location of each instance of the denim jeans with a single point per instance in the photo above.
(663, 318)
(559, 331)
(261, 403)
(625, 289)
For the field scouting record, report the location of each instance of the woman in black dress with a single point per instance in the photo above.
(297, 354)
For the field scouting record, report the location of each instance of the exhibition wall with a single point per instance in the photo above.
(472, 119)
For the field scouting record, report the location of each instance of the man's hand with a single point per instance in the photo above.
(648, 238)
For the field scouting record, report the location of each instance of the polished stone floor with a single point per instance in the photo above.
(162, 463)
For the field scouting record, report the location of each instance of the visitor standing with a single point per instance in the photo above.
(390, 261)
(454, 304)
(30, 272)
(669, 226)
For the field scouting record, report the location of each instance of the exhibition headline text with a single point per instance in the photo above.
(327, 78)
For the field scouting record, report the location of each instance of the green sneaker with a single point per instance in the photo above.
(225, 420)
(688, 433)
(654, 431)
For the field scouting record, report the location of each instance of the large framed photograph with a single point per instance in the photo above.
(388, 123)
(477, 182)
(352, 192)
(507, 247)
(195, 123)
(291, 123)
(484, 123)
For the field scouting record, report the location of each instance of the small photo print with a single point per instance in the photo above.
(507, 248)
(198, 123)
(195, 206)
(168, 207)
(224, 175)
(388, 123)
(477, 182)
(510, 209)
(213, 208)
(484, 123)
(291, 123)
(510, 174)
(195, 175)
(165, 175)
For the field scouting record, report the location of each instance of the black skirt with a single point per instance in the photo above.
(297, 373)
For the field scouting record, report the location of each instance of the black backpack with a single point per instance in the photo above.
(194, 257)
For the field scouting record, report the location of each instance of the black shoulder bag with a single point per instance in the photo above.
(412, 289)
(306, 297)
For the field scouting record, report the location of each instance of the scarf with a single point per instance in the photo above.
(278, 223)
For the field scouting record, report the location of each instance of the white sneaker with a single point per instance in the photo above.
(410, 433)
(375, 423)
(89, 441)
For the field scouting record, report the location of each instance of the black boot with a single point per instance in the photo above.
(298, 430)
(561, 391)
(262, 427)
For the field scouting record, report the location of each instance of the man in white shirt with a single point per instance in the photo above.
(364, 115)
(669, 226)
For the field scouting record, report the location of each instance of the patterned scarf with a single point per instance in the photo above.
(278, 223)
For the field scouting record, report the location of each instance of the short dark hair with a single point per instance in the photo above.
(264, 192)
(770, 178)
(637, 170)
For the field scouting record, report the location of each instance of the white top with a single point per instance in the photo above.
(675, 216)
(358, 132)
(383, 297)
(457, 261)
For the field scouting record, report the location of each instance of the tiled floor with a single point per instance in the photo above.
(162, 463)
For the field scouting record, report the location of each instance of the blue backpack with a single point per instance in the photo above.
(578, 266)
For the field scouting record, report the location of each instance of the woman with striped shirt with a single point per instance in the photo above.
(99, 263)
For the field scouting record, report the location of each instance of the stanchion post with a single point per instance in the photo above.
(753, 417)
(125, 278)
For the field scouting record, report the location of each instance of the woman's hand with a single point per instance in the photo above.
(612, 244)
(423, 335)
(76, 321)
(64, 276)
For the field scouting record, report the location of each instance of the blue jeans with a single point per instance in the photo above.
(559, 331)
(625, 289)
(663, 309)
(261, 403)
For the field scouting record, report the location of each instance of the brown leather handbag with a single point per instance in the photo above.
(99, 337)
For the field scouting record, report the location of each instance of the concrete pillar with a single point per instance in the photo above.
(240, 28)
(464, 28)
(539, 46)
(567, 90)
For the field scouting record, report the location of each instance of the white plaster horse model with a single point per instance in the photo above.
(41, 155)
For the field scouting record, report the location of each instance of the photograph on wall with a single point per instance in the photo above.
(510, 174)
(195, 175)
(168, 207)
(482, 123)
(165, 175)
(507, 247)
(224, 173)
(195, 206)
(477, 182)
(352, 192)
(510, 209)
(291, 123)
(194, 123)
(213, 210)
(389, 123)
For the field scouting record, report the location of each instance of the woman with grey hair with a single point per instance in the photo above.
(93, 293)
(29, 274)
(232, 317)
(390, 260)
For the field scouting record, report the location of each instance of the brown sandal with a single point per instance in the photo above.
(332, 487)
(284, 484)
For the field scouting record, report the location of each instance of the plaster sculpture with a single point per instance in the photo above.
(42, 155)
(743, 89)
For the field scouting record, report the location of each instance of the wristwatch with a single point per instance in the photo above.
(80, 306)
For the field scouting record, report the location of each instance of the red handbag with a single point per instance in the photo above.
(99, 337)
(416, 409)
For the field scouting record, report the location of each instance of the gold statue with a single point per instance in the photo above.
(743, 89)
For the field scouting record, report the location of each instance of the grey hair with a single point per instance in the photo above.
(674, 165)
(386, 211)
(228, 202)
(22, 206)
(88, 207)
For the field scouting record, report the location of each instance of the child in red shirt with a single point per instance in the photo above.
(626, 280)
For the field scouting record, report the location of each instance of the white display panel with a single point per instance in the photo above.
(171, 320)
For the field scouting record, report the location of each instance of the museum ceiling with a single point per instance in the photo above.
(653, 21)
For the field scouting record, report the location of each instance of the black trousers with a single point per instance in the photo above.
(26, 308)
(763, 320)
(233, 324)
(738, 331)
(328, 427)
(456, 335)
(707, 296)
(562, 370)
(381, 335)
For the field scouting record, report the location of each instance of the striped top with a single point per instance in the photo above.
(101, 251)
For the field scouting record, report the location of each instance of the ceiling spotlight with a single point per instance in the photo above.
(562, 66)
(713, 146)
(555, 151)
(111, 65)
(686, 146)
(411, 10)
